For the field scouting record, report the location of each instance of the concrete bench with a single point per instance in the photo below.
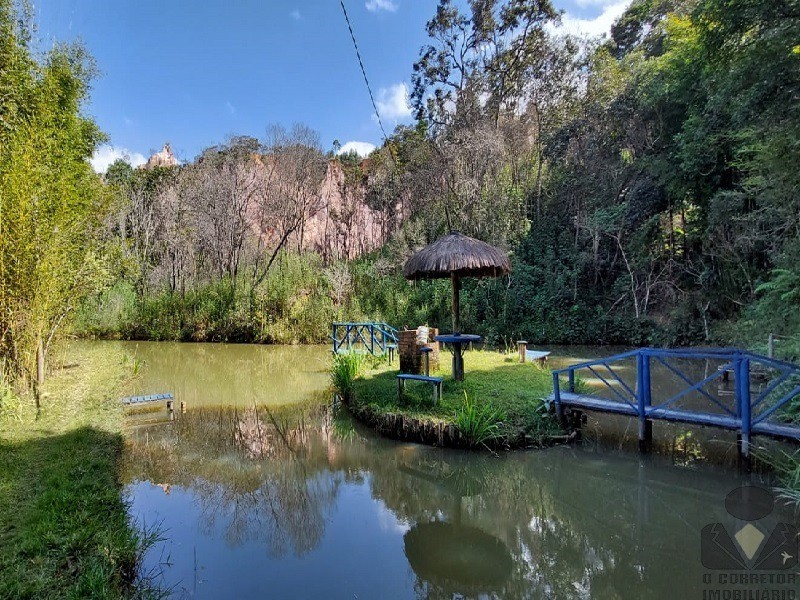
(436, 381)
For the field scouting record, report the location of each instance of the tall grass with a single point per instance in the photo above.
(478, 422)
(294, 304)
(344, 370)
(10, 403)
(787, 467)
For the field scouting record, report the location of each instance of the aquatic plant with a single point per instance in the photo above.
(787, 467)
(344, 370)
(478, 422)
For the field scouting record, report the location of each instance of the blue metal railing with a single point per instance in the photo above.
(749, 413)
(373, 337)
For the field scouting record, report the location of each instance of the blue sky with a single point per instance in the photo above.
(195, 72)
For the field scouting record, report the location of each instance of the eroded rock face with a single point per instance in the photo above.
(165, 158)
(338, 222)
(344, 226)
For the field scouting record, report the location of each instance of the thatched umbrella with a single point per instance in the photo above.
(456, 256)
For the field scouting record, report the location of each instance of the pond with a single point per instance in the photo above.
(264, 489)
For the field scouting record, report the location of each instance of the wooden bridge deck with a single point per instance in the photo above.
(750, 415)
(676, 415)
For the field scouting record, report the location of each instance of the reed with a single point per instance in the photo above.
(478, 422)
(345, 368)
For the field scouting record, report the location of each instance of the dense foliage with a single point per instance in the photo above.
(51, 202)
(645, 186)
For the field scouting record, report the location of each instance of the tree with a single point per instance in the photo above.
(51, 203)
(291, 175)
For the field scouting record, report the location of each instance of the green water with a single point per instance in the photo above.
(230, 374)
(263, 489)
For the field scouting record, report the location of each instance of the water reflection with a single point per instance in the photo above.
(301, 502)
(457, 558)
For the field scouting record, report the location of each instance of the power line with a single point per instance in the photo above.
(363, 71)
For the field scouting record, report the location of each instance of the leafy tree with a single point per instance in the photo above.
(51, 203)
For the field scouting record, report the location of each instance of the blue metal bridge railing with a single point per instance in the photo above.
(374, 337)
(763, 412)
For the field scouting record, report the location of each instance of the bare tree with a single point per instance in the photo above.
(290, 176)
(221, 188)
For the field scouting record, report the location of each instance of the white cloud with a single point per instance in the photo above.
(599, 25)
(106, 154)
(598, 3)
(230, 107)
(393, 102)
(295, 14)
(376, 5)
(361, 148)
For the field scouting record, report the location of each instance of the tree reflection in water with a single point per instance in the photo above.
(572, 524)
(258, 471)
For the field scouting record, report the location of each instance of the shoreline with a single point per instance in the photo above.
(62, 508)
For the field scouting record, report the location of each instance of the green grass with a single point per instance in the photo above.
(64, 531)
(504, 399)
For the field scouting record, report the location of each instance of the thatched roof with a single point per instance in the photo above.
(458, 253)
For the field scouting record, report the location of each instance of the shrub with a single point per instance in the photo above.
(344, 370)
(478, 422)
(787, 468)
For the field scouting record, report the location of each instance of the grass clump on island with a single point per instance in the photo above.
(64, 530)
(501, 402)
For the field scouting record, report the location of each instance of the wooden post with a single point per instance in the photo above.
(426, 360)
(771, 346)
(522, 347)
(577, 418)
(744, 410)
(643, 400)
(456, 284)
(557, 399)
(458, 362)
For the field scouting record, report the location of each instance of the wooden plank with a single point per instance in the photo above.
(685, 416)
(146, 398)
(677, 416)
(599, 404)
(420, 377)
(777, 430)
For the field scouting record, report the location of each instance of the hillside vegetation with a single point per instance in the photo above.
(645, 185)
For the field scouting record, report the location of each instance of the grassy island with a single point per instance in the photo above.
(501, 403)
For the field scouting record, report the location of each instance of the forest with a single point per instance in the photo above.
(644, 184)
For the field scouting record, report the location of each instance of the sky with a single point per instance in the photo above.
(193, 73)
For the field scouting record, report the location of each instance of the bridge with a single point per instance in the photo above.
(377, 338)
(754, 394)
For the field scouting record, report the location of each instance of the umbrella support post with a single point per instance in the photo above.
(458, 362)
(455, 283)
